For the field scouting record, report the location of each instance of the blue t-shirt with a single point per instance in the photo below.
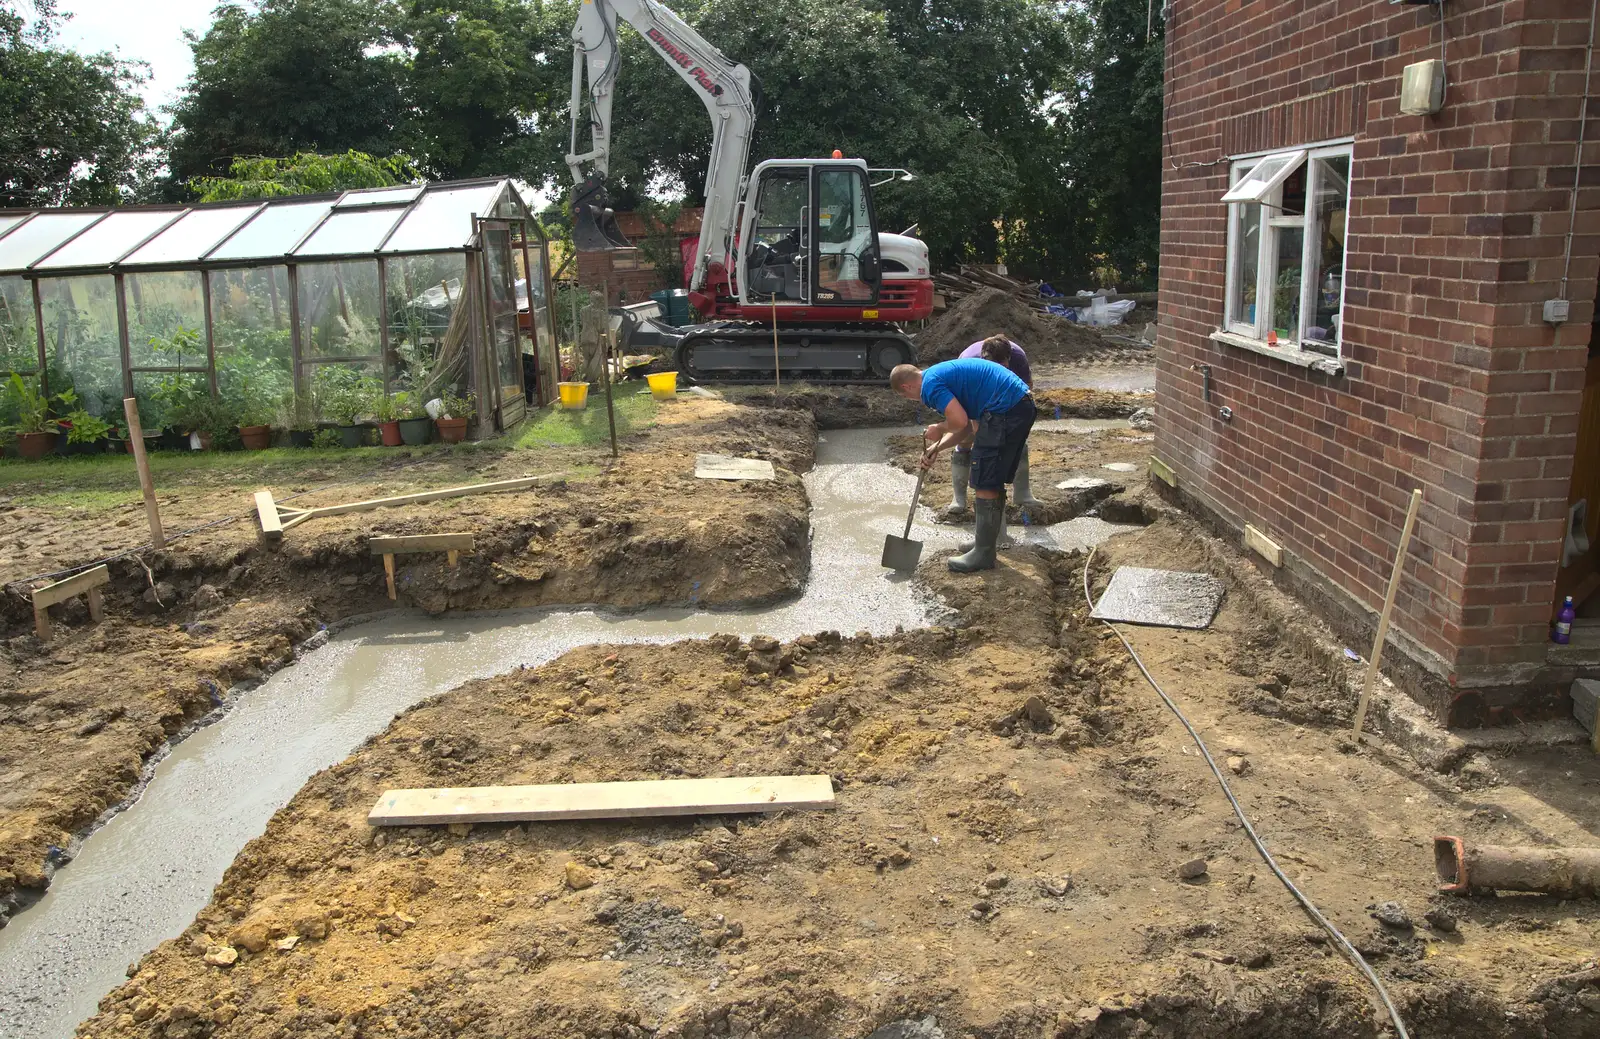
(981, 386)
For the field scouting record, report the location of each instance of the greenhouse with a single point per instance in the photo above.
(298, 312)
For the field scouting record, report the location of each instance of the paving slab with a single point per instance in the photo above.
(1160, 598)
(727, 467)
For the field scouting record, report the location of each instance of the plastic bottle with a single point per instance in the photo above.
(1563, 630)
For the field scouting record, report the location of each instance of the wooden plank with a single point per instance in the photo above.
(1263, 546)
(727, 467)
(141, 461)
(41, 623)
(77, 584)
(521, 483)
(1163, 472)
(401, 545)
(267, 513)
(388, 573)
(97, 605)
(630, 800)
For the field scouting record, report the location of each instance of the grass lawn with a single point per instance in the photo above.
(109, 481)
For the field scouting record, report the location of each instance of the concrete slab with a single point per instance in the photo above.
(1160, 598)
(1082, 483)
(727, 467)
(1121, 467)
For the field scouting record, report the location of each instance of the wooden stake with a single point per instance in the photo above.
(605, 345)
(152, 511)
(452, 557)
(777, 374)
(1388, 607)
(388, 571)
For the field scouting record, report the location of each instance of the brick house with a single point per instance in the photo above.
(629, 273)
(1364, 315)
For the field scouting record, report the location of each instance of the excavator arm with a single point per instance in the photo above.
(722, 86)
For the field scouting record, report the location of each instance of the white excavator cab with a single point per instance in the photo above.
(807, 235)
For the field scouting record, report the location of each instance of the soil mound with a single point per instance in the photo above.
(996, 312)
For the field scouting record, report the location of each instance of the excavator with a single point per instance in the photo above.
(791, 275)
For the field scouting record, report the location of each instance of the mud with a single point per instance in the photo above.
(81, 716)
(217, 789)
(1014, 810)
(990, 312)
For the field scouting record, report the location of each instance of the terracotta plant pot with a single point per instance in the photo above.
(390, 432)
(35, 445)
(256, 438)
(414, 431)
(204, 439)
(452, 430)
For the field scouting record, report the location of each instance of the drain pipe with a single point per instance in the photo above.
(1567, 872)
(1577, 163)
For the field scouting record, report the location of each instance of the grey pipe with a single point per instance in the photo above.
(1568, 872)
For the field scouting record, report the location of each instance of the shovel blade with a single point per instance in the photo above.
(901, 553)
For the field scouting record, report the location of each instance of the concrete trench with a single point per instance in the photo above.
(143, 875)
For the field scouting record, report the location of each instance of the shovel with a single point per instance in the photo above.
(901, 553)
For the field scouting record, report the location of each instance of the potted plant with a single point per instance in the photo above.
(386, 410)
(457, 412)
(86, 434)
(34, 429)
(255, 427)
(415, 425)
(345, 395)
(302, 421)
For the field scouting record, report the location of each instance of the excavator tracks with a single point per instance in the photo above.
(743, 352)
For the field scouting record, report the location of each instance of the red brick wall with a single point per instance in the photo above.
(1452, 382)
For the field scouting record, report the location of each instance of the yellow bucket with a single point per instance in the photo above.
(574, 395)
(663, 385)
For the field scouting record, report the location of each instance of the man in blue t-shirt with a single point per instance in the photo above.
(986, 403)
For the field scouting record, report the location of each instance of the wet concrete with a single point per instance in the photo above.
(141, 877)
(1112, 378)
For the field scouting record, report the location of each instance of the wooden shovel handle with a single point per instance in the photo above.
(916, 495)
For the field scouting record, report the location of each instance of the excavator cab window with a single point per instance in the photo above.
(848, 270)
(776, 267)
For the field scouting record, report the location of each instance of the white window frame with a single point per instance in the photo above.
(1269, 193)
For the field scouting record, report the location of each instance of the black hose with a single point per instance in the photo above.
(1312, 911)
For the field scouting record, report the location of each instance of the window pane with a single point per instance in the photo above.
(844, 236)
(10, 221)
(350, 231)
(503, 308)
(345, 393)
(1292, 194)
(166, 320)
(252, 336)
(274, 232)
(1286, 286)
(380, 196)
(1246, 264)
(165, 398)
(82, 349)
(428, 316)
(106, 242)
(339, 309)
(1264, 176)
(41, 234)
(190, 238)
(1331, 204)
(19, 340)
(442, 220)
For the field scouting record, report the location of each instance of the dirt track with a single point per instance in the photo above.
(79, 717)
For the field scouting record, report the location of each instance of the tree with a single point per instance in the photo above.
(322, 76)
(74, 131)
(304, 173)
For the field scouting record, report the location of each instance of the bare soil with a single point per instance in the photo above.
(80, 716)
(1014, 807)
(1047, 339)
(857, 407)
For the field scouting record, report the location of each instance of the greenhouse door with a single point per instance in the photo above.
(505, 346)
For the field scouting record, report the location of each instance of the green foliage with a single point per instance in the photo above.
(82, 427)
(460, 407)
(22, 399)
(74, 130)
(345, 394)
(304, 173)
(660, 242)
(326, 438)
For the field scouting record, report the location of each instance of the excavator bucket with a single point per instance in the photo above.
(594, 224)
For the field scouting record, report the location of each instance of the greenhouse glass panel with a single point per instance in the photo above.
(351, 231)
(428, 317)
(381, 196)
(252, 337)
(19, 337)
(191, 237)
(40, 235)
(167, 398)
(83, 350)
(106, 242)
(345, 392)
(442, 220)
(339, 309)
(273, 232)
(503, 310)
(538, 309)
(166, 320)
(10, 221)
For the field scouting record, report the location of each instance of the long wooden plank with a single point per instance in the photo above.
(521, 483)
(400, 545)
(267, 513)
(638, 799)
(77, 584)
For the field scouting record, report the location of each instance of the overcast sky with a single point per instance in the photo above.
(150, 31)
